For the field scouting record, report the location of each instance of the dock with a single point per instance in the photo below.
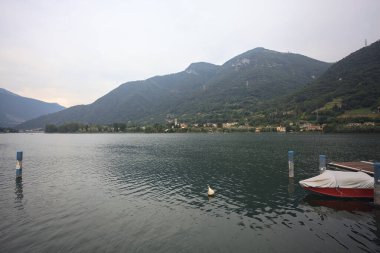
(363, 166)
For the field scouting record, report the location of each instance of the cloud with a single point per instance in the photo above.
(76, 51)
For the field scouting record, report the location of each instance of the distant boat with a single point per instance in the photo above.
(210, 191)
(341, 184)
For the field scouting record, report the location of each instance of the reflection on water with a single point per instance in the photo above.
(19, 189)
(349, 205)
(133, 192)
(291, 185)
(376, 230)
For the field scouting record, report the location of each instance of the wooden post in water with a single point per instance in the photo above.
(291, 163)
(19, 164)
(376, 192)
(322, 163)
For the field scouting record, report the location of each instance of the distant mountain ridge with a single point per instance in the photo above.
(202, 92)
(7, 92)
(15, 109)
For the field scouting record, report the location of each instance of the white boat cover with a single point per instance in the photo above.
(341, 179)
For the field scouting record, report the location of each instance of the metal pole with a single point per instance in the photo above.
(19, 164)
(291, 163)
(322, 163)
(376, 192)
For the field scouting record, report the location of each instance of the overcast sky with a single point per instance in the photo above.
(73, 52)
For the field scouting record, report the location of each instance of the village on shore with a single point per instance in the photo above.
(175, 126)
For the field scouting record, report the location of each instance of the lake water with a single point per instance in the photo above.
(148, 193)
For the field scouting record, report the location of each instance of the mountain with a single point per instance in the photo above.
(244, 82)
(202, 92)
(15, 109)
(352, 84)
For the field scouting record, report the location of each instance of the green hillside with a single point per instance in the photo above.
(355, 80)
(350, 88)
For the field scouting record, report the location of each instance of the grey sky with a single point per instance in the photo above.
(73, 52)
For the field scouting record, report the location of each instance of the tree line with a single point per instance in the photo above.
(8, 130)
(74, 127)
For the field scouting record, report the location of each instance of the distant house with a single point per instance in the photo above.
(314, 128)
(229, 125)
(183, 125)
(354, 124)
(311, 127)
(281, 129)
(360, 124)
(211, 125)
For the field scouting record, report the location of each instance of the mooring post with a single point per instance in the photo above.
(291, 185)
(19, 164)
(376, 192)
(291, 163)
(322, 163)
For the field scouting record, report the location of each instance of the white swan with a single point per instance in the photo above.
(210, 192)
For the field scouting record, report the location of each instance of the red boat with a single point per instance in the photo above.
(341, 184)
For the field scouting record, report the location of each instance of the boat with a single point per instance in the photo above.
(341, 184)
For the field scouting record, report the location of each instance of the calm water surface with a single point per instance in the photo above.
(148, 193)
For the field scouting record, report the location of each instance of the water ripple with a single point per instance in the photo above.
(131, 192)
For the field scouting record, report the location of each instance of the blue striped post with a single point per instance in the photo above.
(376, 192)
(322, 163)
(291, 163)
(19, 164)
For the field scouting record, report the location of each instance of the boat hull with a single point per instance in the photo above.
(342, 192)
